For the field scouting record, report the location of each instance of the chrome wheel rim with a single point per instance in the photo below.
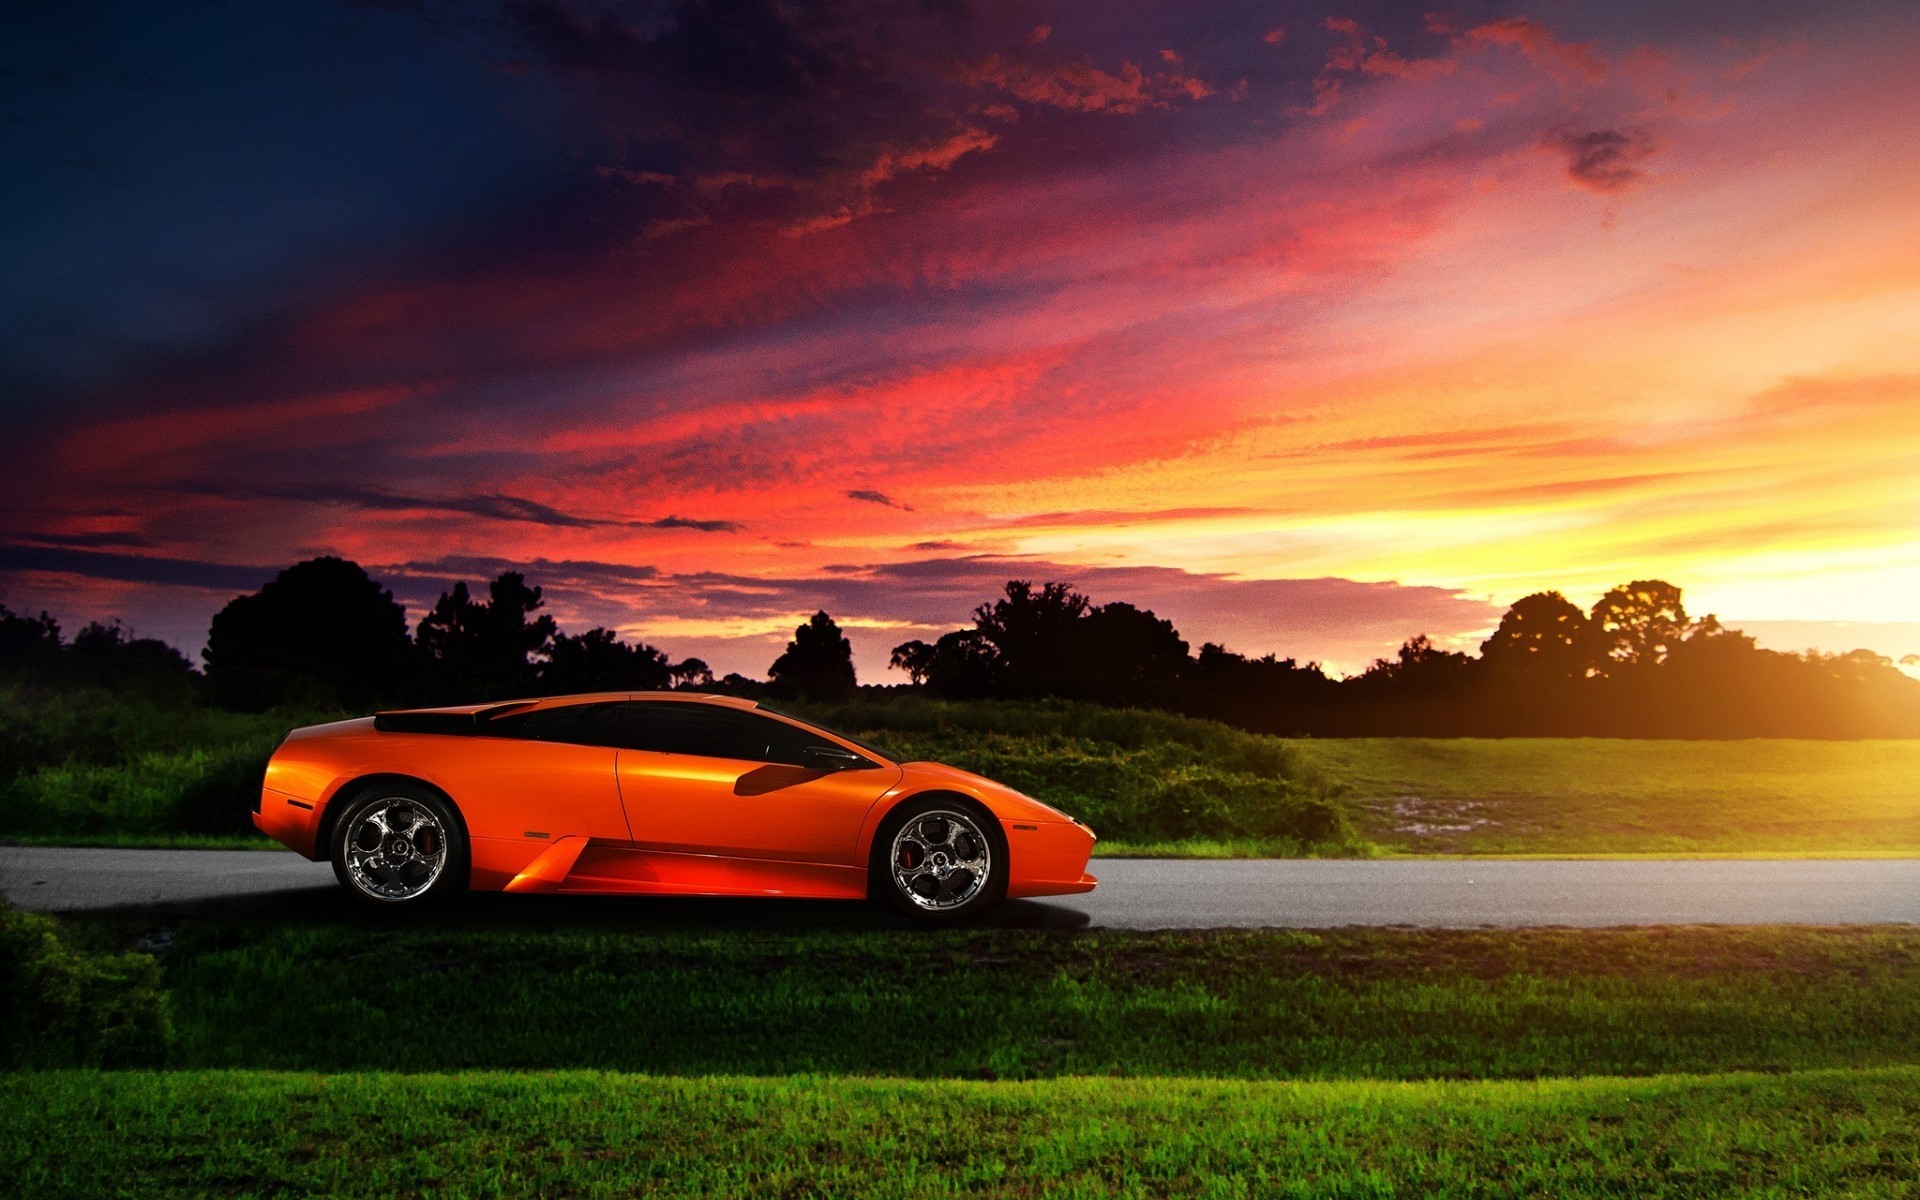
(396, 849)
(941, 860)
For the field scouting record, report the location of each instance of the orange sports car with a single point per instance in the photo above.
(654, 793)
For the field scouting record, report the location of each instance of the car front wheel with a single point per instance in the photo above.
(398, 846)
(940, 860)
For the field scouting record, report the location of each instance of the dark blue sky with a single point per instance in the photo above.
(176, 171)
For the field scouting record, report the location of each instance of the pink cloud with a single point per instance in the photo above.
(1577, 60)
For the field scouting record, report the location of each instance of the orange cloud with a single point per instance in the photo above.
(1083, 87)
(938, 157)
(1369, 55)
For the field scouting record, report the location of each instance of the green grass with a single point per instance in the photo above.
(1554, 796)
(1220, 848)
(366, 1057)
(243, 1133)
(147, 841)
(539, 993)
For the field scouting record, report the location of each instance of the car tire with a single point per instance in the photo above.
(399, 846)
(939, 859)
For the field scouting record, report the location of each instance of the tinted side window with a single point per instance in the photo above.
(579, 724)
(715, 732)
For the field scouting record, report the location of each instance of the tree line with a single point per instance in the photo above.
(323, 633)
(1635, 665)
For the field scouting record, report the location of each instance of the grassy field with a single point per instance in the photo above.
(495, 1051)
(567, 1047)
(1554, 796)
(91, 769)
(530, 990)
(246, 1133)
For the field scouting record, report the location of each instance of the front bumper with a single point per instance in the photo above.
(1048, 858)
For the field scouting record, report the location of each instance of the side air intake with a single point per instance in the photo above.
(458, 723)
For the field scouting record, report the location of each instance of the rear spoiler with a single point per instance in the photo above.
(430, 720)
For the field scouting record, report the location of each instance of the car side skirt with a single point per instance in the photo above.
(604, 868)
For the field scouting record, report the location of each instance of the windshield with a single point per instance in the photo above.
(880, 752)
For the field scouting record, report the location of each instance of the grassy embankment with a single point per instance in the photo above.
(83, 768)
(1011, 1063)
(1581, 796)
(90, 769)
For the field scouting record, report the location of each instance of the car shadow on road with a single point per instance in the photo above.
(330, 905)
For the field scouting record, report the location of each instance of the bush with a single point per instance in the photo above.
(1134, 776)
(196, 791)
(88, 761)
(1128, 728)
(68, 1008)
(220, 799)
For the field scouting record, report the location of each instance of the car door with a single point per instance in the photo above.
(704, 778)
(544, 772)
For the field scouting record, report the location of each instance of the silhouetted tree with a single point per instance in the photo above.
(598, 661)
(817, 665)
(319, 630)
(486, 650)
(964, 665)
(1119, 654)
(1030, 628)
(1419, 665)
(28, 645)
(1638, 667)
(105, 655)
(1638, 624)
(1278, 694)
(691, 673)
(1542, 637)
(736, 684)
(915, 658)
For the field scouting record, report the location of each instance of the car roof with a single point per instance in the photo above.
(588, 697)
(684, 697)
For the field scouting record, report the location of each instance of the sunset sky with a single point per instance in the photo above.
(1310, 326)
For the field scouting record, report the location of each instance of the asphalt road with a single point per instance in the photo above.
(1133, 893)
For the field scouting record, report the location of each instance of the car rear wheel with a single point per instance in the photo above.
(940, 860)
(398, 846)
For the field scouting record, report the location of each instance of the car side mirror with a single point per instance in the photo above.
(830, 758)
